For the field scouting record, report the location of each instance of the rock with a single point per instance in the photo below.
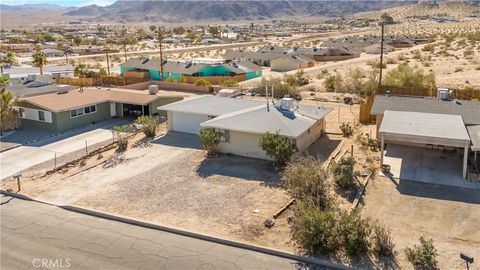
(269, 223)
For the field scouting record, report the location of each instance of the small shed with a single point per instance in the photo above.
(418, 128)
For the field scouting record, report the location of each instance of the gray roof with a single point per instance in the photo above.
(259, 120)
(469, 110)
(299, 59)
(183, 67)
(425, 125)
(474, 132)
(262, 56)
(210, 105)
(16, 72)
(43, 84)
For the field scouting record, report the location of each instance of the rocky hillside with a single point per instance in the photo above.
(195, 11)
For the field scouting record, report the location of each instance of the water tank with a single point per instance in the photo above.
(62, 89)
(286, 104)
(153, 89)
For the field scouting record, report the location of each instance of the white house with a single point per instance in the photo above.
(243, 122)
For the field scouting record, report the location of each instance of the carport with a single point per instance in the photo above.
(427, 130)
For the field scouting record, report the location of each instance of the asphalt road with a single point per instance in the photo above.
(26, 156)
(40, 236)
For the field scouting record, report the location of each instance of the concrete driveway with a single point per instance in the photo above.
(26, 156)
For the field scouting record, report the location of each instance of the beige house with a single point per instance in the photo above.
(243, 122)
(291, 62)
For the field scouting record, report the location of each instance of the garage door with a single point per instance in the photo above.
(186, 122)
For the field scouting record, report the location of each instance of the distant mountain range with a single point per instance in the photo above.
(196, 11)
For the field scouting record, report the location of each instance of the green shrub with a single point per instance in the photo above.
(346, 129)
(203, 82)
(299, 79)
(368, 143)
(306, 180)
(323, 72)
(148, 124)
(405, 76)
(280, 87)
(429, 48)
(229, 83)
(170, 79)
(315, 230)
(343, 172)
(422, 256)
(210, 138)
(279, 147)
(121, 135)
(382, 241)
(333, 82)
(355, 232)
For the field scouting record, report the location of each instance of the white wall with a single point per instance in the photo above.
(243, 144)
(186, 122)
(307, 138)
(32, 114)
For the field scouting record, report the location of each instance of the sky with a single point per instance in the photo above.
(76, 3)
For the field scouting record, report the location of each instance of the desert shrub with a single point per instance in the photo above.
(422, 256)
(401, 57)
(210, 138)
(279, 147)
(229, 83)
(299, 79)
(355, 232)
(346, 129)
(203, 82)
(390, 61)
(281, 88)
(429, 48)
(315, 230)
(376, 64)
(405, 76)
(343, 172)
(353, 80)
(306, 180)
(333, 82)
(182, 79)
(416, 55)
(148, 124)
(382, 241)
(322, 74)
(170, 79)
(468, 53)
(368, 143)
(458, 69)
(369, 87)
(121, 135)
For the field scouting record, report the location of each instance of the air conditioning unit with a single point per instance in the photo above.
(443, 93)
(31, 77)
(62, 89)
(287, 104)
(153, 89)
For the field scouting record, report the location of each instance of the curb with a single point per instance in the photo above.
(136, 222)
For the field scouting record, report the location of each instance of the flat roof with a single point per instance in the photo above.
(474, 132)
(210, 105)
(91, 95)
(468, 109)
(425, 125)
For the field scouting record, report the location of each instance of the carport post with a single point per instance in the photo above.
(465, 159)
(381, 148)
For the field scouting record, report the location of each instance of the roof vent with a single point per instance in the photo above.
(31, 77)
(235, 65)
(287, 104)
(153, 89)
(188, 64)
(145, 60)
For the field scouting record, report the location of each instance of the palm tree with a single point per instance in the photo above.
(8, 113)
(106, 49)
(39, 59)
(67, 52)
(9, 58)
(4, 81)
(160, 40)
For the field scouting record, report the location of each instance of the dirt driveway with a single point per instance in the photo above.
(450, 216)
(169, 181)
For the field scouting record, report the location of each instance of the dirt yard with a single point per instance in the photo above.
(450, 217)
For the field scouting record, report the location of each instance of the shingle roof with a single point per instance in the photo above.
(469, 110)
(90, 96)
(210, 105)
(259, 120)
(43, 84)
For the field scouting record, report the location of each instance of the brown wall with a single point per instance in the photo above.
(334, 57)
(168, 86)
(216, 79)
(136, 74)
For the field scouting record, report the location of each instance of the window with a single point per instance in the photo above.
(83, 110)
(87, 110)
(41, 115)
(22, 112)
(80, 111)
(73, 113)
(93, 108)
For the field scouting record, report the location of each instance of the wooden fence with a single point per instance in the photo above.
(428, 92)
(365, 117)
(99, 81)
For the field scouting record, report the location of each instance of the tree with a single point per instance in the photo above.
(229, 83)
(77, 40)
(81, 69)
(39, 59)
(4, 81)
(333, 82)
(423, 256)
(405, 76)
(385, 18)
(179, 30)
(343, 172)
(279, 147)
(306, 180)
(9, 58)
(8, 114)
(299, 79)
(148, 124)
(210, 138)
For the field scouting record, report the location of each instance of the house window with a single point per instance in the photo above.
(83, 110)
(22, 112)
(87, 110)
(41, 115)
(79, 111)
(93, 108)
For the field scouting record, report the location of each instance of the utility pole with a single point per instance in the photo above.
(160, 39)
(107, 49)
(125, 41)
(382, 22)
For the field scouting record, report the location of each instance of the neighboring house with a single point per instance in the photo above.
(213, 71)
(19, 72)
(243, 122)
(376, 49)
(328, 53)
(35, 85)
(53, 52)
(262, 57)
(70, 109)
(291, 62)
(428, 123)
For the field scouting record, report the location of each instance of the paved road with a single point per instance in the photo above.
(26, 156)
(33, 231)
